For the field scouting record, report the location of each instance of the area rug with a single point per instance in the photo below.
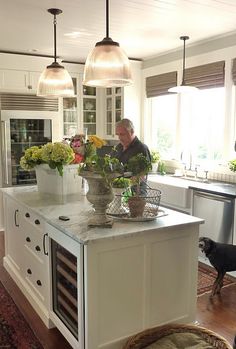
(15, 333)
(206, 278)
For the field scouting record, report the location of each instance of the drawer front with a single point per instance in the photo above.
(37, 276)
(34, 239)
(33, 219)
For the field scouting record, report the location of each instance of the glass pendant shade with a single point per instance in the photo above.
(55, 81)
(183, 89)
(107, 66)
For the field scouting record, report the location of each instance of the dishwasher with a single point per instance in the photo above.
(218, 213)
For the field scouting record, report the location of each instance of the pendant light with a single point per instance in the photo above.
(183, 87)
(107, 64)
(55, 80)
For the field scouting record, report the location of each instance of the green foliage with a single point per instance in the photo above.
(120, 182)
(54, 154)
(232, 165)
(155, 156)
(139, 166)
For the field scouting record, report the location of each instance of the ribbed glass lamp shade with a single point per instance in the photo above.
(183, 89)
(55, 81)
(107, 66)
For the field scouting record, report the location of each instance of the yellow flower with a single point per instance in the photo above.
(97, 141)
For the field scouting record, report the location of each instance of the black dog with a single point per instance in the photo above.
(222, 257)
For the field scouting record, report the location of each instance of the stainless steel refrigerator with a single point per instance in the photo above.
(26, 120)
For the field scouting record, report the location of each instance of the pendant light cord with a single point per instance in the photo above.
(55, 37)
(184, 38)
(107, 18)
(183, 78)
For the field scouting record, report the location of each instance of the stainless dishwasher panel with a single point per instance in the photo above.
(218, 213)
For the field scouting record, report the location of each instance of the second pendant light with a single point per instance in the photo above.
(107, 64)
(183, 88)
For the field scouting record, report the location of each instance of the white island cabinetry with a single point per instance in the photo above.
(26, 257)
(108, 284)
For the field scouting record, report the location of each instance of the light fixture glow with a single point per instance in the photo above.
(55, 81)
(107, 64)
(183, 88)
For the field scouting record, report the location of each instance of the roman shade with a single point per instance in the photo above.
(206, 76)
(158, 85)
(234, 71)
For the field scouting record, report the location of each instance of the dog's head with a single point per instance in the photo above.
(206, 245)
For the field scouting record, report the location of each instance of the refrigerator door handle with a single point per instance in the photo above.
(5, 173)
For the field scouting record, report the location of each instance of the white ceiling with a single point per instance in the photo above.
(144, 28)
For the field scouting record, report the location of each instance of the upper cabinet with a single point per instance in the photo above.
(70, 112)
(114, 109)
(90, 109)
(19, 80)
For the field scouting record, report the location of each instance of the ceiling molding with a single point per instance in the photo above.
(192, 50)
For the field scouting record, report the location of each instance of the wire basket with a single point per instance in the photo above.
(143, 206)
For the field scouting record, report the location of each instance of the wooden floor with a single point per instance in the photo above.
(218, 315)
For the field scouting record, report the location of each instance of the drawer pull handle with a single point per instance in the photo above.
(44, 244)
(28, 239)
(37, 221)
(29, 271)
(37, 248)
(39, 283)
(15, 217)
(27, 215)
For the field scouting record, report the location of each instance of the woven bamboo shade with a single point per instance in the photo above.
(158, 85)
(206, 76)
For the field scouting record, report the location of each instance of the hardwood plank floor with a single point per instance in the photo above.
(218, 315)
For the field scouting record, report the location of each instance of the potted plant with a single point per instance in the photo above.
(139, 166)
(119, 186)
(155, 157)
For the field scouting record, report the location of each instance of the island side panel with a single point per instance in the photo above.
(134, 283)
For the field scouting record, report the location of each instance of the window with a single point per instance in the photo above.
(193, 124)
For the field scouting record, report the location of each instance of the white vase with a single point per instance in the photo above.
(60, 188)
(154, 167)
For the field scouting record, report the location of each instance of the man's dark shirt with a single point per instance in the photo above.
(135, 147)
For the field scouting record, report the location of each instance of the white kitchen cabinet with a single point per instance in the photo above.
(90, 106)
(20, 81)
(26, 255)
(71, 113)
(114, 110)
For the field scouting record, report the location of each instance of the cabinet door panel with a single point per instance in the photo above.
(13, 234)
(15, 80)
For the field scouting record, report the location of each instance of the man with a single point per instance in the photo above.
(129, 145)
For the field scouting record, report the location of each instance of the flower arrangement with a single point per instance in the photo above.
(54, 154)
(85, 149)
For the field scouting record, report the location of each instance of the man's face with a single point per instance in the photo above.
(125, 136)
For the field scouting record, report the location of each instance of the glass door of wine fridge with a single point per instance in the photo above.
(17, 136)
(67, 285)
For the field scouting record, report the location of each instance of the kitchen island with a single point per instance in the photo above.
(117, 281)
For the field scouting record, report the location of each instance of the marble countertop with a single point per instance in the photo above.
(79, 210)
(214, 187)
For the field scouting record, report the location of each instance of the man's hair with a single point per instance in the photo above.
(126, 123)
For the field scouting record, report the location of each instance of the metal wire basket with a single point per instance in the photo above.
(144, 206)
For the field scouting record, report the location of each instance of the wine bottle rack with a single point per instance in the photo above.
(65, 292)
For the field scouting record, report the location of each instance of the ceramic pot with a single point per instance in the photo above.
(136, 206)
(100, 195)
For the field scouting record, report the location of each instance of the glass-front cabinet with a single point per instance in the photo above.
(70, 113)
(90, 109)
(113, 109)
